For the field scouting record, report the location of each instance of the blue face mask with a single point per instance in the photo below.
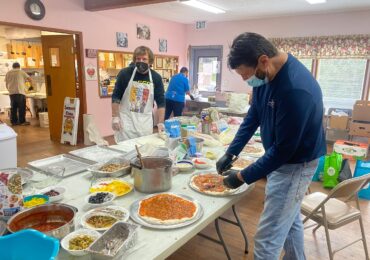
(255, 82)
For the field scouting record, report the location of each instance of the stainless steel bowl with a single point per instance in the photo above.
(56, 220)
(155, 176)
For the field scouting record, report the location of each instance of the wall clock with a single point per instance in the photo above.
(34, 9)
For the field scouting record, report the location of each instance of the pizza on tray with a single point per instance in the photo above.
(210, 183)
(250, 149)
(242, 163)
(167, 209)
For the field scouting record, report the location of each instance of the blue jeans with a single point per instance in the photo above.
(280, 224)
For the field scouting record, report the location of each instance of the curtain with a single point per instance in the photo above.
(346, 46)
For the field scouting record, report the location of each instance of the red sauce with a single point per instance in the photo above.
(45, 227)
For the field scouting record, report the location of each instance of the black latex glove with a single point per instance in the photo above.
(232, 181)
(224, 163)
(191, 97)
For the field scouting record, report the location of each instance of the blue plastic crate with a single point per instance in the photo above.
(362, 168)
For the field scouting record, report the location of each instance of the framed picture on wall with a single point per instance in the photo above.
(122, 39)
(162, 45)
(142, 31)
(158, 63)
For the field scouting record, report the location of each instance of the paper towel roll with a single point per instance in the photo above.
(88, 119)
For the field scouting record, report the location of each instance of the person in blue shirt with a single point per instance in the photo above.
(175, 94)
(287, 106)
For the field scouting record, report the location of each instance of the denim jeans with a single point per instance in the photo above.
(17, 109)
(280, 224)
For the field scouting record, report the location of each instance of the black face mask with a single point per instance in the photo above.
(142, 67)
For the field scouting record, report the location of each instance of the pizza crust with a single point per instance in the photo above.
(217, 193)
(157, 221)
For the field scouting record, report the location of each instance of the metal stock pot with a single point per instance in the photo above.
(155, 176)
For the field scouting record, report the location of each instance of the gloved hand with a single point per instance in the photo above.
(160, 127)
(232, 181)
(224, 163)
(116, 123)
(191, 97)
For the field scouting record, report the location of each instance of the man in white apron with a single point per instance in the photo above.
(136, 89)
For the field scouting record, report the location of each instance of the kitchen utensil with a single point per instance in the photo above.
(56, 219)
(155, 177)
(139, 156)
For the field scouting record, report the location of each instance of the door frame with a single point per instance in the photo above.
(81, 92)
(192, 50)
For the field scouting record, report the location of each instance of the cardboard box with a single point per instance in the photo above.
(351, 150)
(333, 135)
(360, 129)
(338, 122)
(361, 111)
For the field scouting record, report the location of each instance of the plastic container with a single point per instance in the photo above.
(8, 143)
(65, 241)
(28, 244)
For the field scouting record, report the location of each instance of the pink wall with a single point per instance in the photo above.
(311, 25)
(99, 32)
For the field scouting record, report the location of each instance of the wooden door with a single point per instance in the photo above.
(60, 77)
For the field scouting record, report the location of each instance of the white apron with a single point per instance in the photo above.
(136, 108)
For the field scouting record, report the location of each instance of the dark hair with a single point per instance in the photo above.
(16, 65)
(142, 50)
(184, 69)
(247, 48)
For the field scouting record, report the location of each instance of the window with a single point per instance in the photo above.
(341, 81)
(307, 63)
(207, 73)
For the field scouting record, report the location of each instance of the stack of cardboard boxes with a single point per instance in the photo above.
(337, 127)
(360, 125)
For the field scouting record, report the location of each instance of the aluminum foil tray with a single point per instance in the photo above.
(115, 241)
(98, 153)
(134, 208)
(72, 164)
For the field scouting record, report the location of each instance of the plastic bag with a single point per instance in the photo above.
(362, 168)
(345, 172)
(172, 128)
(319, 170)
(94, 135)
(332, 167)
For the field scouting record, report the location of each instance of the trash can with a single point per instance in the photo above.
(8, 147)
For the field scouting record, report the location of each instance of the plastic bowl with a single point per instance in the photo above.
(184, 165)
(60, 190)
(84, 231)
(202, 163)
(108, 199)
(39, 196)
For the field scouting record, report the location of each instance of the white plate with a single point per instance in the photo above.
(108, 209)
(84, 231)
(99, 183)
(207, 163)
(107, 201)
(61, 191)
(91, 213)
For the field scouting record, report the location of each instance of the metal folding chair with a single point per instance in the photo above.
(334, 210)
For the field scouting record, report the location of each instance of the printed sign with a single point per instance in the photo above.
(90, 72)
(91, 53)
(70, 120)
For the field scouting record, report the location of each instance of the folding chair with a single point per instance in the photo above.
(334, 210)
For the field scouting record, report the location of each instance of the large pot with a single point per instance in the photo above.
(56, 219)
(155, 176)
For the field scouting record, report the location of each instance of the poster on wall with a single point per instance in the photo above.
(90, 72)
(122, 39)
(162, 45)
(71, 110)
(142, 31)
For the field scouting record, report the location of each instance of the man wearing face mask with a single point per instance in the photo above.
(136, 89)
(287, 106)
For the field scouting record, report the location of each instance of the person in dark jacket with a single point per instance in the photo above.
(287, 106)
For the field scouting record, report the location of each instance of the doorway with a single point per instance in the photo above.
(57, 65)
(205, 69)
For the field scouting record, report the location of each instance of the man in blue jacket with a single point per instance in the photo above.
(287, 106)
(175, 94)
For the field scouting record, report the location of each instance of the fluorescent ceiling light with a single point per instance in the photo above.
(313, 2)
(203, 6)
